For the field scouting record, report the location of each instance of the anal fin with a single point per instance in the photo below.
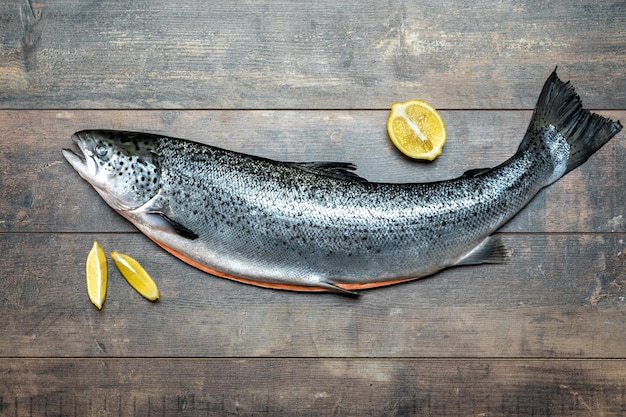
(490, 251)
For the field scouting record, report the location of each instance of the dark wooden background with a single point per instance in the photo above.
(308, 80)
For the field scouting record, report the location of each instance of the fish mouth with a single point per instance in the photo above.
(78, 160)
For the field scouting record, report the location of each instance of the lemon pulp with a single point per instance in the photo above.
(96, 272)
(417, 129)
(136, 276)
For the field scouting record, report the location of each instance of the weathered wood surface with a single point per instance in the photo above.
(42, 193)
(561, 296)
(305, 54)
(542, 335)
(313, 388)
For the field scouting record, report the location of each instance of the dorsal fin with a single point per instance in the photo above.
(338, 170)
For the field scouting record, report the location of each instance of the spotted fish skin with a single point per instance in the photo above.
(318, 226)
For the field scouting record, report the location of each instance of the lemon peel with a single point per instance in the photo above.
(417, 129)
(96, 273)
(136, 276)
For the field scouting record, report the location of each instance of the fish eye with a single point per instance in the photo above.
(101, 150)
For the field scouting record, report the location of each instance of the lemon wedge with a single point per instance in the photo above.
(417, 129)
(96, 271)
(136, 276)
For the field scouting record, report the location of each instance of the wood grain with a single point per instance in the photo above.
(560, 296)
(40, 192)
(301, 54)
(543, 335)
(312, 387)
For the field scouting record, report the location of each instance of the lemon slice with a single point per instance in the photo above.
(96, 271)
(417, 129)
(136, 276)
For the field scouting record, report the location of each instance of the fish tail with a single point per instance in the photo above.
(560, 109)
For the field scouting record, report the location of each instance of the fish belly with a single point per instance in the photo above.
(280, 226)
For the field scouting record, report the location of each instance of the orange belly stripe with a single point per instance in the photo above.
(289, 287)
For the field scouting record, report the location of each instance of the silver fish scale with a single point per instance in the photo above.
(276, 214)
(316, 226)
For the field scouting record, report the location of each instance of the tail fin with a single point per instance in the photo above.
(560, 106)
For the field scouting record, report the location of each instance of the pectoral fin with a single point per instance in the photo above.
(158, 215)
(162, 222)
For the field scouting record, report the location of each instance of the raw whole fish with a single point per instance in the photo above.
(318, 226)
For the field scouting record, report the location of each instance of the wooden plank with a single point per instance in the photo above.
(39, 191)
(301, 54)
(560, 296)
(137, 387)
(542, 335)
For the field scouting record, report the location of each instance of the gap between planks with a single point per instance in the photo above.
(313, 359)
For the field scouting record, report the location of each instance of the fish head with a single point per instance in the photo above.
(121, 166)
